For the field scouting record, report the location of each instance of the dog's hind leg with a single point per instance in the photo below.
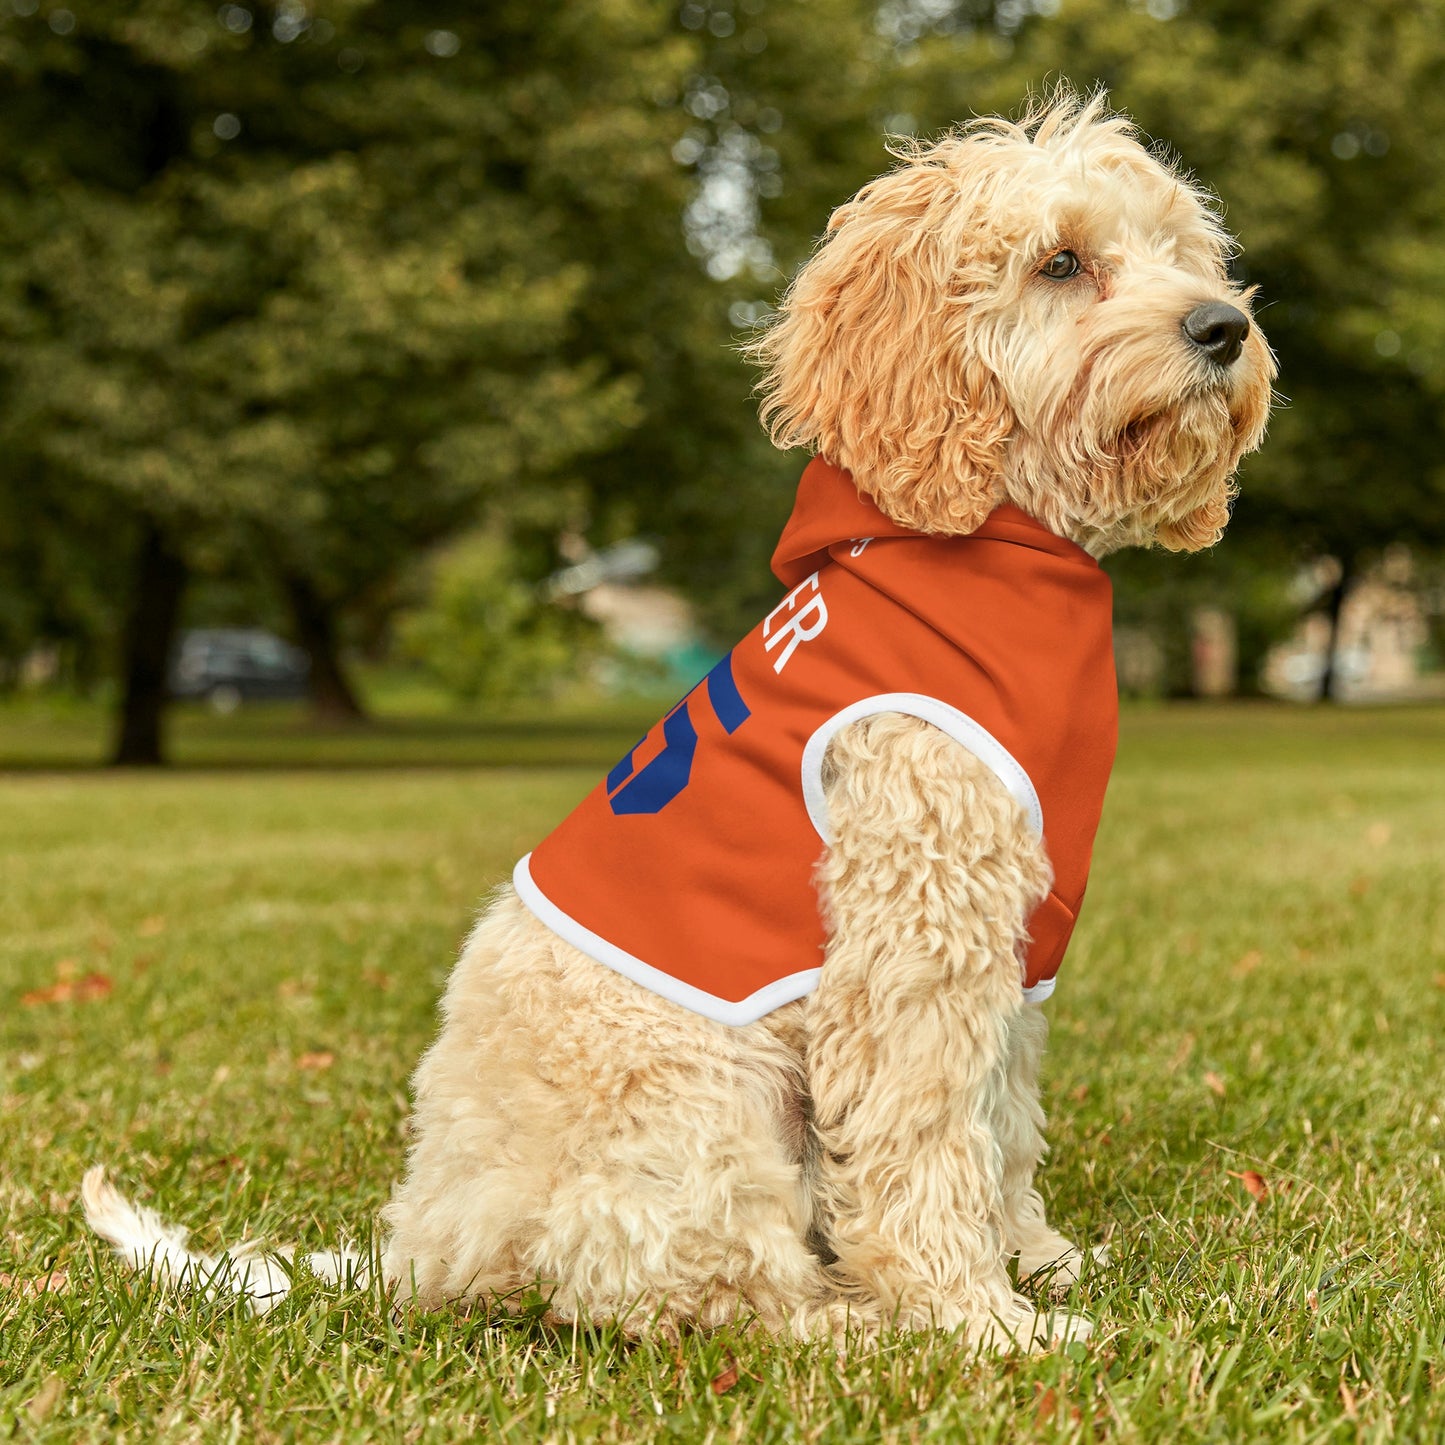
(927, 885)
(679, 1196)
(577, 1135)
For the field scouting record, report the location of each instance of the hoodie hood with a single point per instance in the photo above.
(830, 510)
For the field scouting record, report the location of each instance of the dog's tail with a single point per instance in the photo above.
(147, 1243)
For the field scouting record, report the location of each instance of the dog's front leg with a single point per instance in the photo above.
(1042, 1251)
(927, 885)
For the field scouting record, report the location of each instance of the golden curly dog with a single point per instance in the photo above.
(1035, 313)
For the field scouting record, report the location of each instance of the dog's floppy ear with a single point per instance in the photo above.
(872, 360)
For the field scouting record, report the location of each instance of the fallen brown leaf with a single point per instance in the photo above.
(81, 990)
(45, 1399)
(1359, 886)
(56, 993)
(1046, 1407)
(1440, 980)
(56, 1282)
(1347, 1399)
(1248, 963)
(1181, 1054)
(1254, 1183)
(1214, 1083)
(1080, 1094)
(377, 978)
(320, 1059)
(724, 1382)
(151, 927)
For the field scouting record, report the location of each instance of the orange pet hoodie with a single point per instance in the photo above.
(689, 868)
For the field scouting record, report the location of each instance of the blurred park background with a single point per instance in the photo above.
(374, 445)
(386, 352)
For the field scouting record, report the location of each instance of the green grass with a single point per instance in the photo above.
(1256, 985)
(409, 729)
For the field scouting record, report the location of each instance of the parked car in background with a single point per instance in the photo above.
(227, 666)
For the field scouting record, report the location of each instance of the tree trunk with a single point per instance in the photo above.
(333, 699)
(150, 631)
(1329, 678)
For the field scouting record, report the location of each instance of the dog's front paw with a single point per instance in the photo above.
(1023, 1326)
(1057, 1265)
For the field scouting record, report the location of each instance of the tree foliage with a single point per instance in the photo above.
(300, 290)
(486, 633)
(314, 287)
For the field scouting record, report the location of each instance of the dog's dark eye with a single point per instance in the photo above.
(1060, 266)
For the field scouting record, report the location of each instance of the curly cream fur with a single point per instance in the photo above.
(866, 1156)
(577, 1134)
(922, 349)
(927, 890)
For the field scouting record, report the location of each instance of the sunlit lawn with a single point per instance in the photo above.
(216, 980)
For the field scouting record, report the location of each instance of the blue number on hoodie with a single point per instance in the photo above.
(651, 788)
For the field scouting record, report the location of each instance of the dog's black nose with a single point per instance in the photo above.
(1218, 331)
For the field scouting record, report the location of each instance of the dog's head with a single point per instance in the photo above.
(1036, 312)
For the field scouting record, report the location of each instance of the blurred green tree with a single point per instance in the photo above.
(307, 283)
(322, 285)
(59, 573)
(487, 634)
(780, 115)
(310, 287)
